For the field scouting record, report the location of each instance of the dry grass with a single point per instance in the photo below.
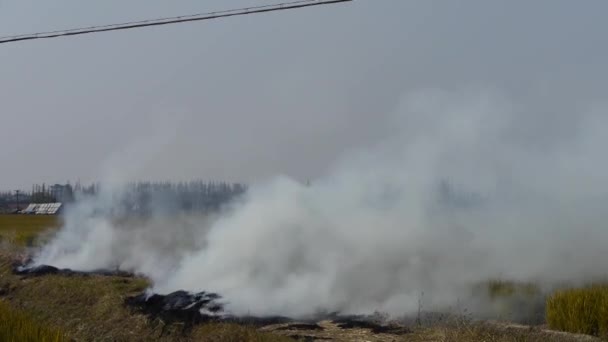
(520, 302)
(455, 331)
(498, 288)
(583, 310)
(15, 325)
(233, 332)
(90, 308)
(23, 230)
(487, 332)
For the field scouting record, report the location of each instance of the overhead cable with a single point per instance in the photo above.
(170, 20)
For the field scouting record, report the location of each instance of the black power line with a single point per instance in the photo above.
(169, 20)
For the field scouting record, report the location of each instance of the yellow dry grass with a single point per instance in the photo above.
(579, 310)
(23, 230)
(16, 325)
(91, 308)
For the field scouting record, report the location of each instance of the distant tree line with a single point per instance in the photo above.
(168, 197)
(40, 193)
(140, 197)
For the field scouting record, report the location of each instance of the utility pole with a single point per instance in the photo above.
(17, 192)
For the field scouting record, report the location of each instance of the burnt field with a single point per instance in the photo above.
(105, 307)
(110, 305)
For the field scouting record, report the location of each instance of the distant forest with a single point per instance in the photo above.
(196, 196)
(140, 197)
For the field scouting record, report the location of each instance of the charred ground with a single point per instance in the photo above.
(109, 306)
(114, 306)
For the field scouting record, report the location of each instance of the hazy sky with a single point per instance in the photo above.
(246, 98)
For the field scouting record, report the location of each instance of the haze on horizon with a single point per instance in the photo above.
(248, 98)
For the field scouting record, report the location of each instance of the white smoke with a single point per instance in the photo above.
(459, 193)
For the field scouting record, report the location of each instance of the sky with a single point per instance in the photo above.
(248, 98)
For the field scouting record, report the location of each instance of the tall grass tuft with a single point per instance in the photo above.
(17, 326)
(581, 310)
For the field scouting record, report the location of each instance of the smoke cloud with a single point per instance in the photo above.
(467, 187)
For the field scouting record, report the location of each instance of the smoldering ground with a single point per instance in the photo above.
(468, 187)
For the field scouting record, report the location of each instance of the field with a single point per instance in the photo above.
(90, 308)
(23, 230)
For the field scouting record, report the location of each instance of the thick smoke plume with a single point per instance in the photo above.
(467, 187)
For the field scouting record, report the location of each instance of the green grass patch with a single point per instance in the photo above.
(579, 310)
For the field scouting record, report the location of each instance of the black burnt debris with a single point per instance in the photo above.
(36, 270)
(196, 308)
(179, 307)
(43, 270)
(259, 321)
(188, 309)
(309, 338)
(303, 327)
(362, 322)
(193, 308)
